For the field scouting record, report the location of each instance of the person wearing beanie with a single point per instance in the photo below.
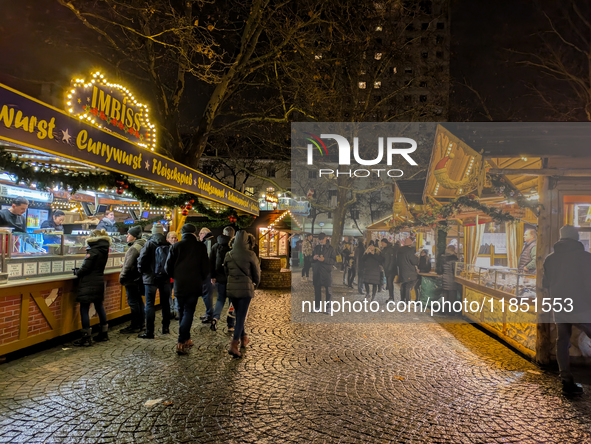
(151, 264)
(188, 266)
(131, 279)
(206, 235)
(567, 275)
(157, 228)
(407, 263)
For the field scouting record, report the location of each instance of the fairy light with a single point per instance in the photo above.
(143, 109)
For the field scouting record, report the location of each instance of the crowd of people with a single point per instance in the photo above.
(373, 266)
(169, 266)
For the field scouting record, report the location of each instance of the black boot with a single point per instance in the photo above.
(103, 335)
(85, 340)
(570, 387)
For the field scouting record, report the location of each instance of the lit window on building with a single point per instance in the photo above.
(377, 85)
(249, 191)
(378, 56)
(361, 85)
(318, 56)
(394, 70)
(378, 28)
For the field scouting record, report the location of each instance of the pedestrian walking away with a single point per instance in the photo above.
(205, 236)
(91, 286)
(218, 275)
(188, 265)
(407, 267)
(447, 270)
(242, 268)
(307, 250)
(172, 239)
(370, 262)
(151, 264)
(389, 253)
(323, 259)
(131, 279)
(566, 275)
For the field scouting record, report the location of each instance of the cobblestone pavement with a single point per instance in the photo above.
(374, 383)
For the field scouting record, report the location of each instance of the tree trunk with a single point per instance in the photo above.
(543, 337)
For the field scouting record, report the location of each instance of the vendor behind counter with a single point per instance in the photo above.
(13, 217)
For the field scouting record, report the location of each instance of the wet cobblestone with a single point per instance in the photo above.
(345, 383)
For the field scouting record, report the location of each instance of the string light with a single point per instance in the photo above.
(99, 78)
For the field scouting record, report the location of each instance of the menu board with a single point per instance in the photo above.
(110, 262)
(69, 265)
(44, 267)
(15, 270)
(79, 263)
(283, 245)
(57, 267)
(30, 268)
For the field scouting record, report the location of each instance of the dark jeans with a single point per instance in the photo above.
(208, 296)
(186, 310)
(100, 310)
(219, 305)
(351, 276)
(134, 293)
(390, 285)
(405, 289)
(164, 287)
(318, 296)
(307, 265)
(360, 281)
(418, 287)
(374, 290)
(563, 344)
(241, 311)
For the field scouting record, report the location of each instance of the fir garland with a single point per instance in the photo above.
(502, 188)
(432, 218)
(50, 177)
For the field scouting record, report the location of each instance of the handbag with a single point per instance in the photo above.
(339, 258)
(246, 274)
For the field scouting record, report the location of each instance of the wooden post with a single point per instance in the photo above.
(543, 337)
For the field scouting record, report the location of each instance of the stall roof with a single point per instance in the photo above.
(412, 190)
(32, 128)
(279, 220)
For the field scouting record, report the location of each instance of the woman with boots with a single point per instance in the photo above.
(91, 286)
(370, 262)
(243, 272)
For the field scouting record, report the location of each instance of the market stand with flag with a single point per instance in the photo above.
(84, 159)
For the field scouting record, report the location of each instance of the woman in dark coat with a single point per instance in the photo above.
(244, 274)
(91, 286)
(370, 263)
(447, 269)
(424, 267)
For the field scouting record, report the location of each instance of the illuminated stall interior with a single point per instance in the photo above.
(274, 230)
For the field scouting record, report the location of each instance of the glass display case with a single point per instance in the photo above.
(25, 256)
(506, 280)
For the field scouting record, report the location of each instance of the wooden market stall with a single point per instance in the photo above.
(38, 296)
(504, 166)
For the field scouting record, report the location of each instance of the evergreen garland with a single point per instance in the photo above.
(50, 177)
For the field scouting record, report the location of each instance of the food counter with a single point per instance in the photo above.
(494, 289)
(38, 302)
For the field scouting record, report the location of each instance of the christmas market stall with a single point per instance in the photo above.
(96, 157)
(274, 230)
(511, 187)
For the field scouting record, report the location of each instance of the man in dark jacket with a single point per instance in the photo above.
(567, 275)
(323, 259)
(407, 268)
(206, 237)
(131, 279)
(390, 265)
(218, 275)
(359, 252)
(188, 265)
(155, 278)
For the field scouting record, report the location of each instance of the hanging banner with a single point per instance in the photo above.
(28, 122)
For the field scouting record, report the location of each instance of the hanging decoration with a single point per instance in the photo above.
(437, 216)
(47, 176)
(500, 185)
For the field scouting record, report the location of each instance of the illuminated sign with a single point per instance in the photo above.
(112, 107)
(14, 192)
(271, 198)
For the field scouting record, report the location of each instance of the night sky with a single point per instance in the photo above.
(482, 32)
